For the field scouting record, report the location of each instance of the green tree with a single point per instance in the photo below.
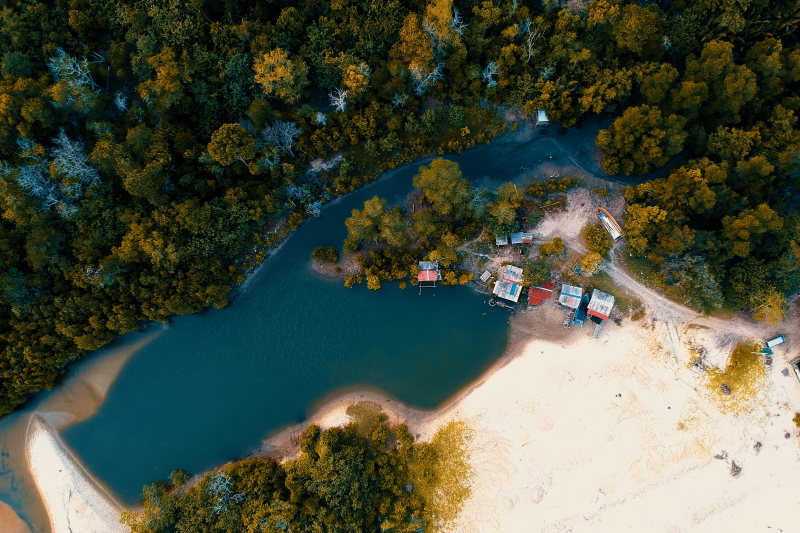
(365, 225)
(768, 306)
(534, 271)
(597, 238)
(640, 31)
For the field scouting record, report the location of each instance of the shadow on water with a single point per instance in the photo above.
(213, 385)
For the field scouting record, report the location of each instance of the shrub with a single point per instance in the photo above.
(325, 253)
(597, 238)
(533, 218)
(556, 246)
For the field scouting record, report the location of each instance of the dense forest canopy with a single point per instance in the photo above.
(364, 476)
(149, 151)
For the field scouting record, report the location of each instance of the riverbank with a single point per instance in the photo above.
(567, 433)
(79, 397)
(606, 434)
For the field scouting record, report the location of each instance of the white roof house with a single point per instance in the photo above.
(509, 287)
(541, 117)
(601, 304)
(570, 296)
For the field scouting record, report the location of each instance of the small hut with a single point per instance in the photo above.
(428, 274)
(502, 240)
(509, 287)
(538, 294)
(521, 238)
(570, 296)
(541, 118)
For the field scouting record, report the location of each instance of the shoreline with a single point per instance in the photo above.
(525, 438)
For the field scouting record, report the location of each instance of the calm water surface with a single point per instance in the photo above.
(215, 384)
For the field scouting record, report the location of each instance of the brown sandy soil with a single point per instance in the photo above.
(10, 522)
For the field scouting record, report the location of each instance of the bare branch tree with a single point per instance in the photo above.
(320, 118)
(120, 102)
(281, 134)
(70, 159)
(490, 74)
(531, 36)
(399, 100)
(73, 71)
(457, 23)
(36, 181)
(338, 99)
(422, 83)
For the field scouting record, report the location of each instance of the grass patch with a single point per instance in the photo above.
(440, 471)
(744, 375)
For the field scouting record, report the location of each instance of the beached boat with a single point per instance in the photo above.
(609, 223)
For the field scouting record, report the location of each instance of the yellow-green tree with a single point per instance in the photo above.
(230, 143)
(445, 187)
(171, 72)
(414, 48)
(640, 140)
(279, 76)
(768, 306)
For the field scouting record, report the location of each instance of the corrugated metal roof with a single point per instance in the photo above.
(521, 238)
(570, 296)
(501, 241)
(601, 304)
(541, 117)
(427, 275)
(507, 290)
(513, 273)
(428, 265)
(538, 296)
(485, 276)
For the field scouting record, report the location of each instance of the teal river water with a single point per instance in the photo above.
(213, 385)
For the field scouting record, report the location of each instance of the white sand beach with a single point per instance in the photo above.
(617, 436)
(74, 501)
(570, 433)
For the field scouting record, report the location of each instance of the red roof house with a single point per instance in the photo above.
(427, 275)
(538, 294)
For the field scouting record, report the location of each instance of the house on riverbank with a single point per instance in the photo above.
(570, 296)
(428, 274)
(522, 238)
(538, 294)
(600, 305)
(509, 287)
